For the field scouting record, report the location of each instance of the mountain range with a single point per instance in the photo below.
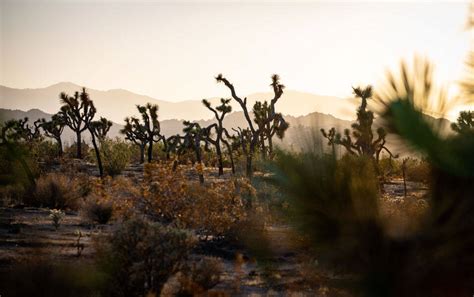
(117, 104)
(305, 123)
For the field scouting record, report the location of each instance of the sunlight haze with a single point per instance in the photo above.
(173, 51)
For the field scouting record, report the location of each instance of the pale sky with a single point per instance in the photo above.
(172, 51)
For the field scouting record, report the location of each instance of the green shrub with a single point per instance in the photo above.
(57, 191)
(116, 155)
(140, 256)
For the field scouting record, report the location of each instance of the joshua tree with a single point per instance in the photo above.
(363, 142)
(254, 132)
(99, 130)
(219, 113)
(136, 133)
(78, 110)
(268, 127)
(54, 129)
(151, 124)
(194, 134)
(175, 145)
(17, 130)
(464, 123)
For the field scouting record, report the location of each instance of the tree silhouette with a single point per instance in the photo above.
(464, 122)
(193, 135)
(21, 130)
(54, 129)
(136, 133)
(78, 111)
(149, 114)
(254, 132)
(362, 141)
(219, 113)
(99, 130)
(268, 128)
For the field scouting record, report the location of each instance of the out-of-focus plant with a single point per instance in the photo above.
(464, 123)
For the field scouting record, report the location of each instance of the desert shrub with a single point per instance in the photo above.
(389, 168)
(71, 150)
(116, 155)
(418, 170)
(18, 171)
(198, 277)
(212, 208)
(55, 190)
(96, 210)
(140, 256)
(45, 151)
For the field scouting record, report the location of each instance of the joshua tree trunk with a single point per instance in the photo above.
(219, 158)
(97, 155)
(60, 147)
(197, 149)
(150, 151)
(142, 153)
(78, 145)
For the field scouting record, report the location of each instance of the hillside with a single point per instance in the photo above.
(118, 103)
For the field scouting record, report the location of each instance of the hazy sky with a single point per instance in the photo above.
(173, 51)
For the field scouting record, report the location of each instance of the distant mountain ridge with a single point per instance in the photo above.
(303, 131)
(116, 104)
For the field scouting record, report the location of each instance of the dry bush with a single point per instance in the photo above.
(56, 190)
(212, 208)
(140, 256)
(403, 217)
(96, 210)
(196, 280)
(418, 170)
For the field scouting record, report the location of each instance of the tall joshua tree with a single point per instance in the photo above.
(363, 143)
(268, 127)
(98, 130)
(151, 124)
(54, 129)
(219, 113)
(253, 130)
(136, 133)
(79, 110)
(193, 137)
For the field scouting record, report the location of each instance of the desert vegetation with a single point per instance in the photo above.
(213, 211)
